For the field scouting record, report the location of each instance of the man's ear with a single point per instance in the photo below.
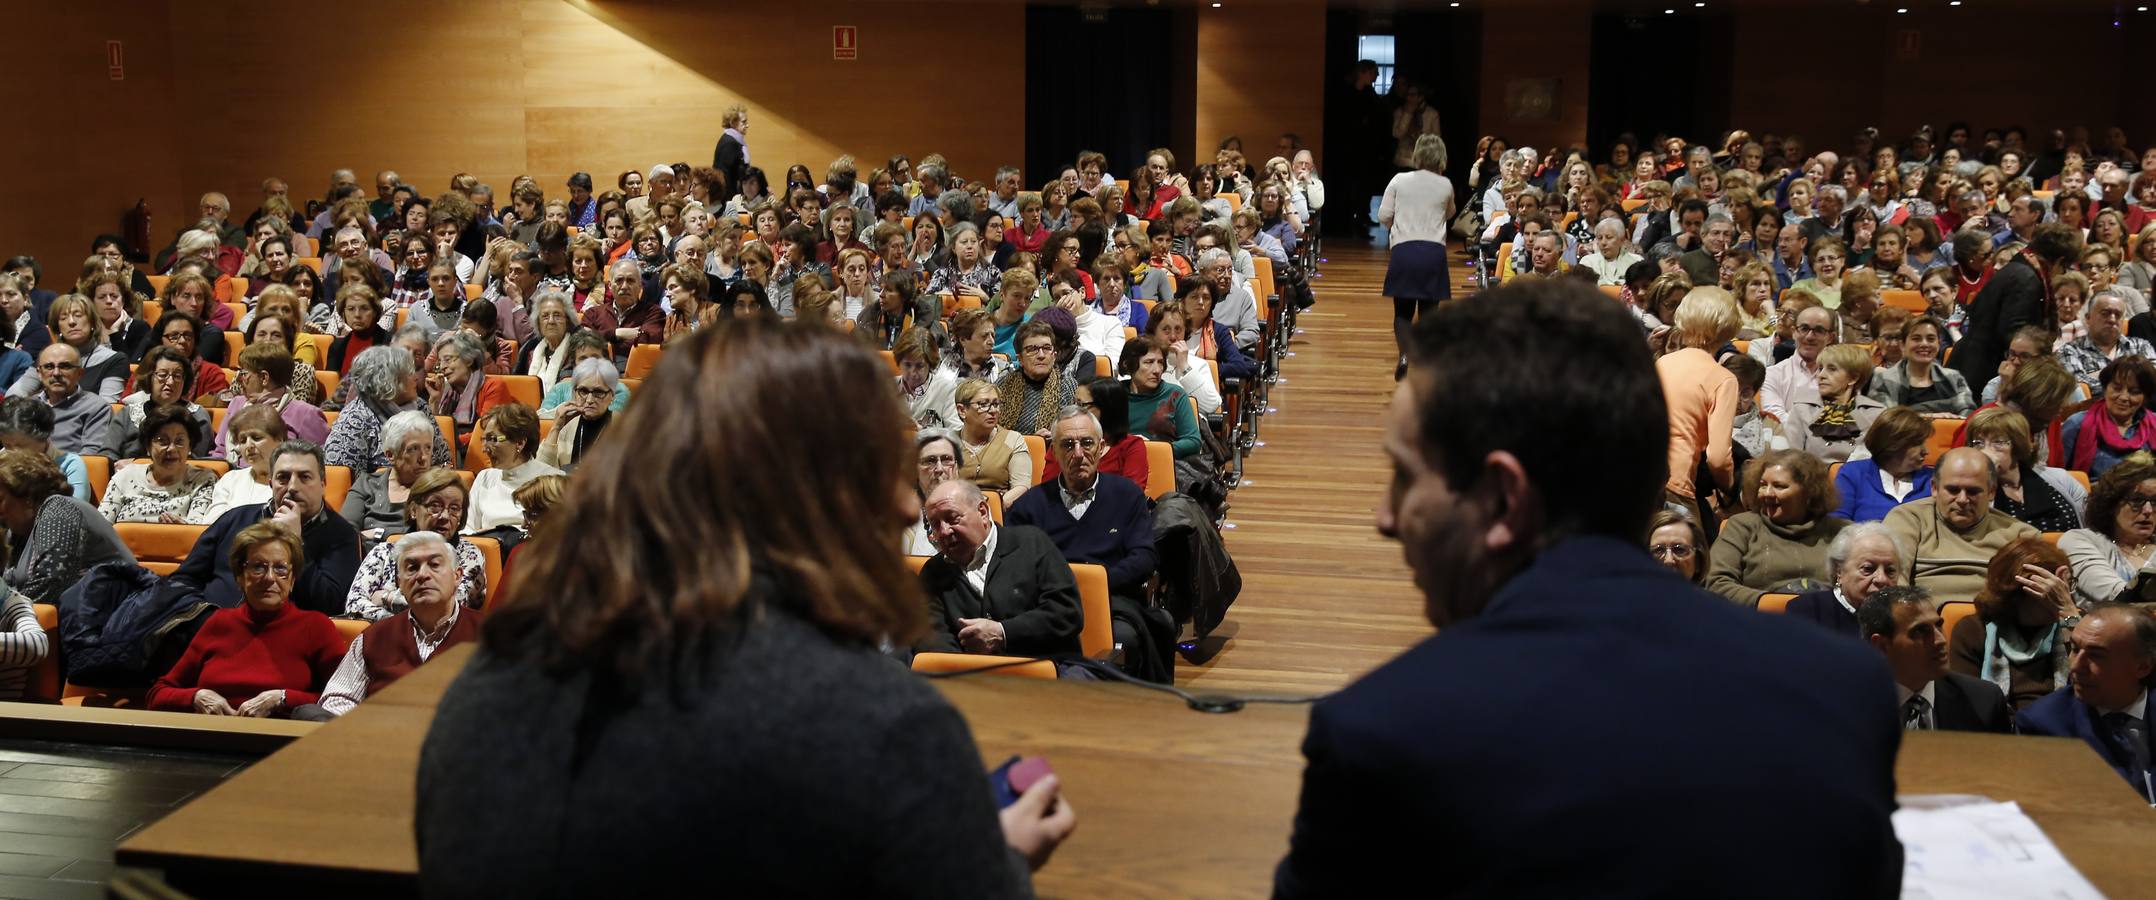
(1512, 506)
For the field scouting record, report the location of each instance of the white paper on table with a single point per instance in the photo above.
(1969, 847)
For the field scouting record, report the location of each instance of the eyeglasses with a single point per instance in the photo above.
(939, 462)
(1991, 444)
(1038, 350)
(987, 405)
(58, 367)
(594, 392)
(165, 377)
(2143, 503)
(168, 441)
(1814, 329)
(1671, 551)
(1067, 444)
(260, 569)
(444, 508)
(491, 439)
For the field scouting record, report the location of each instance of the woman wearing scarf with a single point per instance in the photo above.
(385, 382)
(1032, 394)
(2101, 436)
(1833, 426)
(731, 157)
(2017, 639)
(457, 385)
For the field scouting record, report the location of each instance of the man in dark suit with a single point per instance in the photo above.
(2113, 662)
(1703, 264)
(994, 590)
(2012, 298)
(331, 547)
(1105, 520)
(1556, 737)
(1680, 228)
(1904, 623)
(1861, 559)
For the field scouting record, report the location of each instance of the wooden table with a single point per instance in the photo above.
(1171, 802)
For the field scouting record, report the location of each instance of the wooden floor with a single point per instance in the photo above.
(1325, 597)
(63, 807)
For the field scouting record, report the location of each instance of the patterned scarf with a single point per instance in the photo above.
(1837, 422)
(1025, 417)
(2002, 652)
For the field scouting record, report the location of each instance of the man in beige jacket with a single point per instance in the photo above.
(1955, 531)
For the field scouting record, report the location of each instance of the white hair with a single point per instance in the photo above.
(414, 540)
(1845, 542)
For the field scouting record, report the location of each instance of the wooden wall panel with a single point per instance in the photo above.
(1543, 42)
(1261, 71)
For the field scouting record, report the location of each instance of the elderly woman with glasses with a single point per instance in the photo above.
(263, 657)
(167, 490)
(264, 378)
(510, 436)
(585, 417)
(581, 346)
(2114, 557)
(436, 504)
(936, 457)
(995, 458)
(385, 382)
(165, 378)
(375, 504)
(1676, 541)
(457, 384)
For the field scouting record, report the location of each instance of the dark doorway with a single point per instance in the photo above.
(1439, 49)
(1097, 79)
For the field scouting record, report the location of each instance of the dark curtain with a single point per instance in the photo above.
(1090, 80)
(1657, 75)
(1442, 50)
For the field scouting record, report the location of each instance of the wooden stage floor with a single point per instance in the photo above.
(1325, 597)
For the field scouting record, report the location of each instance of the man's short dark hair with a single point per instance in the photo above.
(1876, 615)
(2055, 243)
(1533, 368)
(1692, 204)
(299, 448)
(1969, 244)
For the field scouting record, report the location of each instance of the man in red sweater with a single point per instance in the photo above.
(432, 621)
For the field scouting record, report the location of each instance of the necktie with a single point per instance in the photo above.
(2128, 738)
(1916, 714)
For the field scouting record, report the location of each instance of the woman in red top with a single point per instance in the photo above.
(1030, 235)
(263, 657)
(1109, 401)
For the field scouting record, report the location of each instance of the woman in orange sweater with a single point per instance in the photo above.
(1701, 395)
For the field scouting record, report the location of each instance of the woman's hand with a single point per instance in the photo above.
(967, 290)
(1039, 821)
(263, 705)
(208, 702)
(169, 519)
(1178, 357)
(2055, 587)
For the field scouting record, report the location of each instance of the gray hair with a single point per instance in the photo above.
(958, 203)
(196, 242)
(597, 368)
(413, 331)
(462, 345)
(1074, 411)
(300, 448)
(1610, 226)
(1664, 250)
(1721, 219)
(1206, 259)
(341, 175)
(1835, 191)
(626, 263)
(950, 241)
(2113, 292)
(352, 230)
(935, 172)
(403, 427)
(554, 296)
(414, 540)
(378, 372)
(1006, 170)
(1845, 542)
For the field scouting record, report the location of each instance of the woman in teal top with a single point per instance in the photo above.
(582, 345)
(1158, 410)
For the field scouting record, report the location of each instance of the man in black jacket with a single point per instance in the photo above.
(330, 544)
(991, 589)
(1904, 624)
(2015, 296)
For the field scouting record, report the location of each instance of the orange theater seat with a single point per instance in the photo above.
(1159, 469)
(642, 359)
(1775, 603)
(1018, 666)
(159, 548)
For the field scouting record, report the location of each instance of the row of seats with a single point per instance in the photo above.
(1952, 611)
(1096, 639)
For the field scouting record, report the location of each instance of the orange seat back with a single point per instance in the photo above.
(1159, 468)
(45, 682)
(1775, 603)
(312, 262)
(1016, 666)
(889, 359)
(326, 380)
(1097, 639)
(159, 548)
(98, 469)
(1038, 448)
(642, 359)
(336, 483)
(350, 628)
(1942, 439)
(522, 388)
(1954, 611)
(151, 309)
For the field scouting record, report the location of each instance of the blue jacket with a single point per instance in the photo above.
(1863, 500)
(330, 553)
(2061, 714)
(1234, 363)
(1116, 533)
(1599, 715)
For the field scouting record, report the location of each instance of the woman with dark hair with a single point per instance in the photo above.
(165, 378)
(779, 590)
(436, 504)
(188, 335)
(1108, 399)
(2114, 558)
(54, 536)
(359, 314)
(2120, 425)
(2025, 613)
(319, 309)
(1781, 543)
(167, 490)
(893, 314)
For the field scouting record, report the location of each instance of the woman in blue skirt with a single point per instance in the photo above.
(1417, 205)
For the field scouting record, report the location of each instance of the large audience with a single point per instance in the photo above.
(1908, 386)
(357, 406)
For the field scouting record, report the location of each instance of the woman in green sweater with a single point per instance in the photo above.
(1158, 410)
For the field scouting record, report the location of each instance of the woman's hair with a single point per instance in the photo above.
(516, 422)
(2132, 371)
(462, 345)
(1667, 517)
(2002, 590)
(378, 372)
(655, 572)
(603, 370)
(1995, 422)
(540, 495)
(1826, 242)
(1809, 472)
(2117, 483)
(969, 389)
(1850, 358)
(266, 532)
(175, 317)
(1111, 404)
(403, 427)
(1707, 318)
(156, 417)
(917, 344)
(262, 417)
(351, 292)
(2039, 384)
(158, 352)
(1898, 430)
(291, 328)
(34, 477)
(429, 483)
(77, 303)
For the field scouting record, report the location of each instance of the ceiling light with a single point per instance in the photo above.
(1902, 11)
(1669, 12)
(1954, 3)
(1699, 5)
